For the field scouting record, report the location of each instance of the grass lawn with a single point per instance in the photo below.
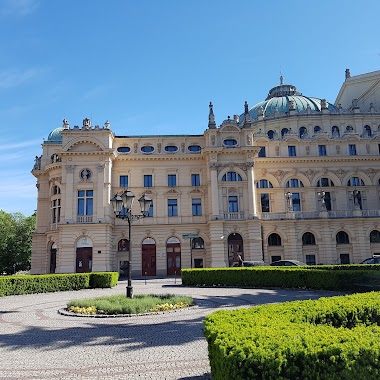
(120, 304)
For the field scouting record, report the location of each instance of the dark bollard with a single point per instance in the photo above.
(145, 278)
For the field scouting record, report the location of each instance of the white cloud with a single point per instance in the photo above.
(18, 7)
(18, 145)
(14, 78)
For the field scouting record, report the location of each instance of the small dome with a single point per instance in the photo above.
(280, 98)
(55, 136)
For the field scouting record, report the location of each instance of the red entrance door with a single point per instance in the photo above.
(148, 259)
(173, 257)
(84, 260)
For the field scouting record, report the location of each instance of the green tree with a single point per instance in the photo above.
(15, 241)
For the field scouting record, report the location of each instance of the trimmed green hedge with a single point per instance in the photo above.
(284, 277)
(10, 285)
(328, 339)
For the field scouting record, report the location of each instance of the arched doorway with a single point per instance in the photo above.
(148, 259)
(53, 257)
(84, 255)
(173, 256)
(235, 248)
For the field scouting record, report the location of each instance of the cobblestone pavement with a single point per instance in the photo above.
(38, 343)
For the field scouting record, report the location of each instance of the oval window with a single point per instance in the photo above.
(147, 149)
(171, 148)
(124, 149)
(194, 148)
(230, 142)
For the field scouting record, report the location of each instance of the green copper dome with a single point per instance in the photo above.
(55, 136)
(284, 98)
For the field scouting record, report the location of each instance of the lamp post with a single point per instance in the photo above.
(322, 196)
(122, 207)
(288, 196)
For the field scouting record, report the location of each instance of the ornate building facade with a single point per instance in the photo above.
(294, 177)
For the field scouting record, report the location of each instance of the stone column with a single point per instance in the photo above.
(214, 190)
(251, 190)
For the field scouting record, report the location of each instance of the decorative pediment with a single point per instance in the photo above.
(196, 192)
(172, 192)
(229, 128)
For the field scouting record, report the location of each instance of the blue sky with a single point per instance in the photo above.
(152, 67)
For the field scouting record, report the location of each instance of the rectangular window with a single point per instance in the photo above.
(195, 180)
(85, 202)
(322, 150)
(296, 201)
(328, 200)
(233, 203)
(310, 259)
(123, 181)
(264, 202)
(150, 211)
(292, 150)
(172, 207)
(56, 211)
(196, 206)
(148, 180)
(172, 180)
(262, 152)
(352, 149)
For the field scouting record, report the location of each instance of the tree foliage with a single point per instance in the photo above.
(15, 241)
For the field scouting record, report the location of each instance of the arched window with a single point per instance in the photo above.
(171, 148)
(124, 149)
(374, 236)
(197, 243)
(55, 190)
(325, 182)
(147, 149)
(349, 129)
(264, 184)
(355, 181)
(302, 132)
(367, 131)
(230, 142)
(342, 238)
(294, 182)
(123, 245)
(317, 129)
(274, 240)
(194, 148)
(271, 135)
(308, 239)
(284, 131)
(231, 177)
(335, 131)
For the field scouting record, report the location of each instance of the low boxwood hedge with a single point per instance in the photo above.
(328, 339)
(11, 285)
(284, 277)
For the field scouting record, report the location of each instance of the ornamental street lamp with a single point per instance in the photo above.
(322, 195)
(288, 196)
(122, 207)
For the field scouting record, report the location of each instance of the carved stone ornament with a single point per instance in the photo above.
(370, 173)
(232, 190)
(310, 174)
(279, 175)
(229, 129)
(101, 168)
(135, 147)
(338, 149)
(277, 149)
(182, 147)
(368, 148)
(159, 147)
(340, 173)
(213, 165)
(70, 168)
(213, 140)
(307, 150)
